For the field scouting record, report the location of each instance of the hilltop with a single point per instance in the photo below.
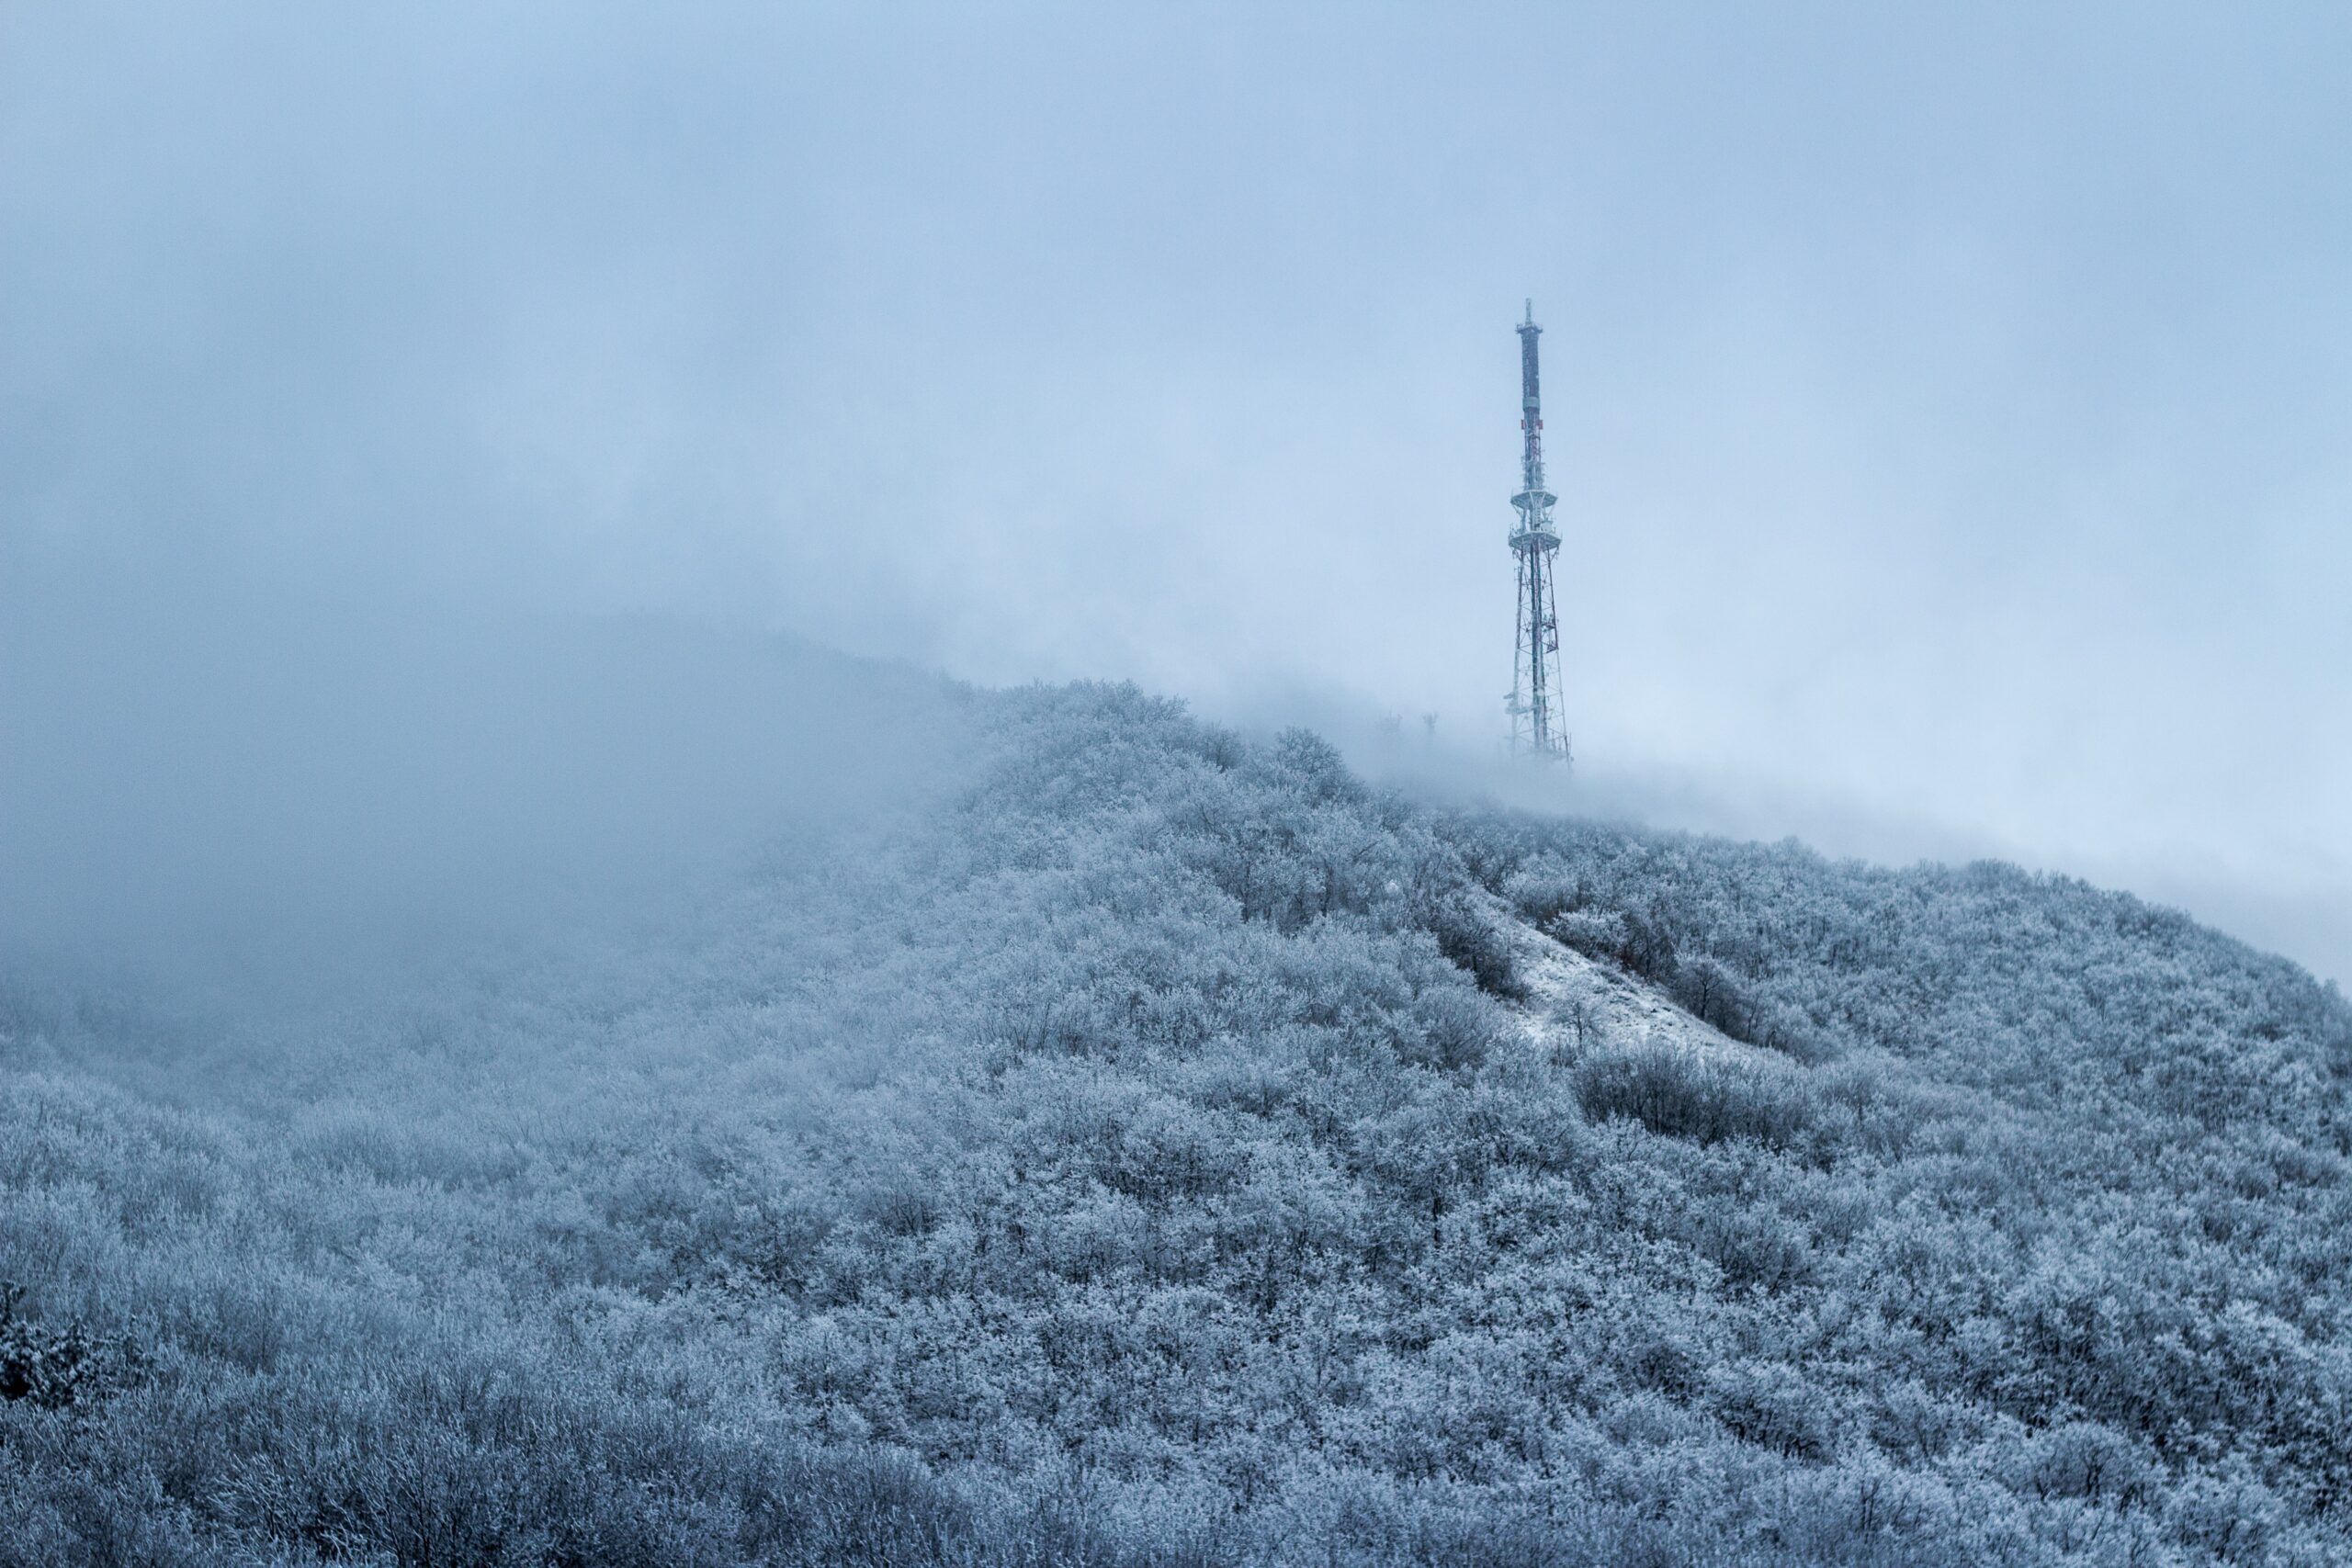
(1158, 1146)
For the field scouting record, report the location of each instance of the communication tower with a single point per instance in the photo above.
(1535, 702)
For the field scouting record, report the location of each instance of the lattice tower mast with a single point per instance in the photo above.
(1535, 702)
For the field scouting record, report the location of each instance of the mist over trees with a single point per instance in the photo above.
(1151, 1147)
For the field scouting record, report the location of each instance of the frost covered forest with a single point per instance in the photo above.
(1157, 1146)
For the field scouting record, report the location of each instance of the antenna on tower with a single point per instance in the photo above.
(1534, 700)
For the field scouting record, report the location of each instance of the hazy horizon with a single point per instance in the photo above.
(1947, 409)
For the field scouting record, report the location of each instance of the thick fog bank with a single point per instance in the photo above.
(187, 778)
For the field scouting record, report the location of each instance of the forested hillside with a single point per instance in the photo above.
(1164, 1148)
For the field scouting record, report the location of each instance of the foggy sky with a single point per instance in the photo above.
(1948, 410)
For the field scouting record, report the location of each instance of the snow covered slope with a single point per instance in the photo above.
(1159, 1148)
(1575, 1003)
